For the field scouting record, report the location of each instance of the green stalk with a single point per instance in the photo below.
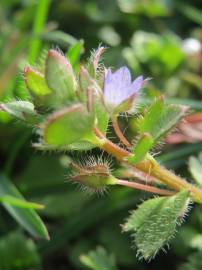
(151, 167)
(38, 26)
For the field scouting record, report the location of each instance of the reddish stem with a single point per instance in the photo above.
(154, 169)
(194, 118)
(145, 187)
(119, 133)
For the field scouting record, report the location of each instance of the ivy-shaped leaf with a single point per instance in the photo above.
(154, 222)
(23, 110)
(68, 125)
(158, 120)
(36, 83)
(60, 77)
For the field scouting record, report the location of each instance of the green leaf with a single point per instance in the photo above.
(154, 50)
(195, 167)
(18, 252)
(20, 202)
(87, 82)
(81, 145)
(170, 117)
(99, 260)
(27, 218)
(68, 125)
(191, 12)
(35, 82)
(154, 222)
(140, 150)
(102, 117)
(148, 122)
(60, 76)
(60, 38)
(193, 262)
(75, 52)
(23, 110)
(94, 61)
(156, 8)
(160, 119)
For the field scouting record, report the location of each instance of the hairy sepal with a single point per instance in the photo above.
(60, 78)
(68, 126)
(22, 110)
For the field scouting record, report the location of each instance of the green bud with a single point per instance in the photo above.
(96, 177)
(94, 62)
(36, 82)
(86, 82)
(60, 76)
(68, 125)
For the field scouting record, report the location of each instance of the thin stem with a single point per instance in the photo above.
(145, 187)
(132, 172)
(110, 147)
(152, 167)
(119, 133)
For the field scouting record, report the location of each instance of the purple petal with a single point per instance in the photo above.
(118, 86)
(137, 84)
(122, 76)
(108, 76)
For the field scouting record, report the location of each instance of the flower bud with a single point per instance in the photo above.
(60, 76)
(95, 177)
(119, 90)
(36, 82)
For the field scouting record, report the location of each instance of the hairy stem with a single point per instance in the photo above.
(145, 187)
(152, 167)
(119, 133)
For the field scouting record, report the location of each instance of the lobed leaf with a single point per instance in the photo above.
(23, 110)
(160, 119)
(102, 117)
(68, 125)
(150, 120)
(60, 76)
(35, 82)
(154, 222)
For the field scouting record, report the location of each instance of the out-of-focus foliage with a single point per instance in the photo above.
(160, 39)
(195, 167)
(18, 252)
(99, 260)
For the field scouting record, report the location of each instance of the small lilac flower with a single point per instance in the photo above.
(119, 90)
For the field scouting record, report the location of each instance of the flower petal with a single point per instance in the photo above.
(122, 76)
(108, 76)
(119, 88)
(137, 84)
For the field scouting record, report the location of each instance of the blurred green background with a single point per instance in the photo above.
(161, 39)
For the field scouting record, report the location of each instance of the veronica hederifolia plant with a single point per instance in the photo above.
(72, 112)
